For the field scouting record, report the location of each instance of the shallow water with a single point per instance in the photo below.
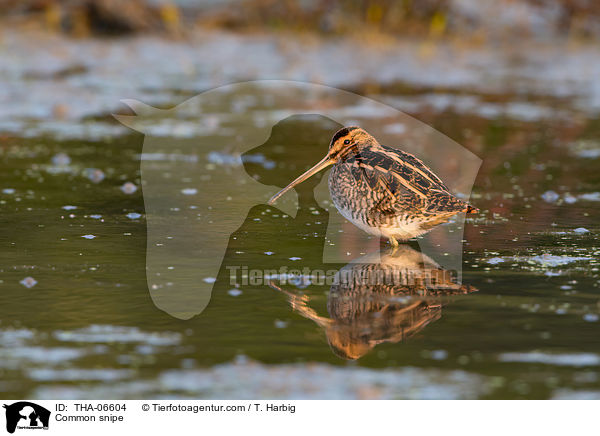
(78, 320)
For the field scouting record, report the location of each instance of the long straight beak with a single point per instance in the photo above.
(323, 163)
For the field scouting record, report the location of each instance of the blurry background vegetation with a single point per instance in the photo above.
(482, 19)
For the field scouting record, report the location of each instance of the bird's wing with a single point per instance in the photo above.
(409, 160)
(401, 182)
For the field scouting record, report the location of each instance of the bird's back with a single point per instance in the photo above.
(395, 182)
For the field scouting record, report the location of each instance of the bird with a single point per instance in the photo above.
(380, 297)
(382, 190)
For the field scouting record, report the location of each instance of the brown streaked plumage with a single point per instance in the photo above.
(382, 190)
(381, 297)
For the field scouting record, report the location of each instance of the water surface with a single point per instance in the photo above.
(78, 321)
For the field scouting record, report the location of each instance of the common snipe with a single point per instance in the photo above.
(380, 297)
(382, 190)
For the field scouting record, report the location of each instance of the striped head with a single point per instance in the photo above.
(349, 139)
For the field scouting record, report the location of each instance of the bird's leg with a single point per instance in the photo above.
(393, 243)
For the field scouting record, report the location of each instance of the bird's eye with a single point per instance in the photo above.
(346, 142)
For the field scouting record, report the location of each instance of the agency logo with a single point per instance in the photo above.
(210, 165)
(26, 415)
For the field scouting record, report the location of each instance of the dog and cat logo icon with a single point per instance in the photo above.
(26, 415)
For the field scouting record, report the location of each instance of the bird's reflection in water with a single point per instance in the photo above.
(389, 301)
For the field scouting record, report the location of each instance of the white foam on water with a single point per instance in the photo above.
(77, 374)
(568, 394)
(322, 381)
(109, 334)
(572, 359)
